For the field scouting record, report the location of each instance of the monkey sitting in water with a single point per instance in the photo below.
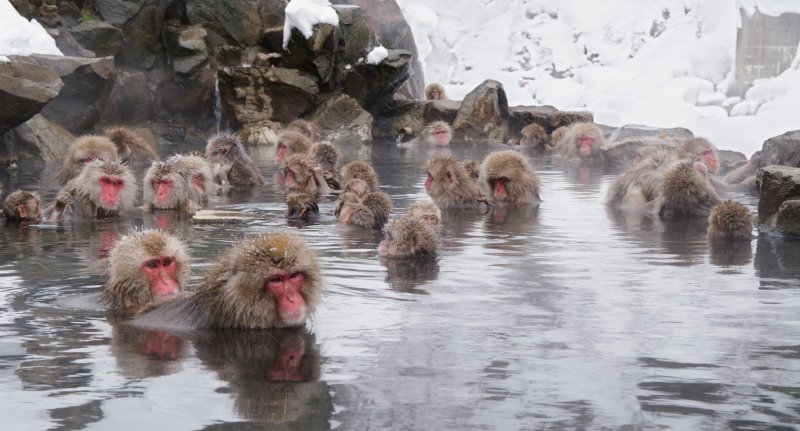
(326, 156)
(230, 163)
(370, 211)
(104, 188)
(301, 206)
(435, 134)
(265, 281)
(146, 268)
(582, 144)
(730, 220)
(358, 169)
(300, 175)
(506, 178)
(309, 129)
(289, 143)
(450, 186)
(130, 146)
(408, 237)
(84, 150)
(22, 206)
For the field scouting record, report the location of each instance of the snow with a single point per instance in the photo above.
(304, 14)
(661, 63)
(22, 37)
(378, 54)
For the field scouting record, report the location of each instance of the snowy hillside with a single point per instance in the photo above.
(663, 63)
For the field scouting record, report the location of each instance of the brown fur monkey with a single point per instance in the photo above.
(301, 206)
(326, 156)
(700, 150)
(449, 184)
(435, 134)
(425, 210)
(230, 163)
(166, 188)
(84, 150)
(371, 211)
(506, 178)
(730, 220)
(104, 188)
(362, 171)
(641, 183)
(582, 144)
(308, 128)
(300, 176)
(435, 91)
(409, 237)
(130, 146)
(22, 206)
(265, 281)
(473, 169)
(291, 142)
(146, 268)
(534, 136)
(197, 173)
(353, 190)
(686, 191)
(557, 137)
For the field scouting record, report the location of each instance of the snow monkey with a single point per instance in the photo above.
(146, 268)
(435, 134)
(104, 188)
(700, 150)
(408, 237)
(506, 178)
(534, 136)
(301, 206)
(22, 206)
(360, 170)
(269, 280)
(582, 144)
(427, 211)
(730, 220)
(370, 211)
(435, 91)
(449, 184)
(130, 146)
(82, 151)
(197, 172)
(308, 128)
(291, 142)
(230, 163)
(300, 176)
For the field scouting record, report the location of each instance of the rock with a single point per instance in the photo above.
(186, 48)
(189, 96)
(565, 118)
(781, 150)
(635, 131)
(250, 94)
(222, 217)
(441, 110)
(484, 114)
(87, 84)
(142, 32)
(777, 185)
(315, 55)
(729, 160)
(343, 120)
(236, 22)
(25, 88)
(623, 154)
(522, 116)
(40, 138)
(357, 38)
(99, 37)
(130, 99)
(374, 84)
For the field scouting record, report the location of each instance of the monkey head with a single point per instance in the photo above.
(360, 170)
(22, 206)
(730, 220)
(437, 133)
(197, 172)
(109, 184)
(223, 148)
(701, 150)
(297, 173)
(84, 150)
(165, 187)
(290, 142)
(427, 211)
(408, 236)
(507, 177)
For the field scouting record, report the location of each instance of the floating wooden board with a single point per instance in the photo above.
(218, 216)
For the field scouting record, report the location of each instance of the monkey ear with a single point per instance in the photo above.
(22, 210)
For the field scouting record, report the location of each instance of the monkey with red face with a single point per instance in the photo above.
(104, 188)
(507, 178)
(582, 144)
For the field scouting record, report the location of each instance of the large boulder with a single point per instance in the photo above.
(237, 22)
(781, 150)
(522, 116)
(130, 101)
(779, 203)
(186, 48)
(374, 84)
(316, 55)
(87, 84)
(250, 94)
(408, 117)
(343, 120)
(25, 88)
(625, 145)
(99, 37)
(484, 115)
(142, 32)
(39, 138)
(356, 36)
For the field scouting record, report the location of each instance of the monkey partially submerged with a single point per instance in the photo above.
(104, 188)
(130, 146)
(450, 186)
(84, 150)
(409, 236)
(264, 281)
(507, 178)
(22, 206)
(230, 163)
(730, 220)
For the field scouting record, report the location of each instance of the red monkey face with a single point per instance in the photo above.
(109, 191)
(286, 287)
(442, 137)
(198, 181)
(161, 274)
(431, 219)
(707, 157)
(161, 189)
(289, 179)
(499, 188)
(281, 154)
(584, 143)
(428, 182)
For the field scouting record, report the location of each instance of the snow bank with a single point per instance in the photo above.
(303, 14)
(22, 37)
(378, 54)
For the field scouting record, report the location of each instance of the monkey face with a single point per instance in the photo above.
(110, 188)
(285, 288)
(162, 190)
(584, 144)
(708, 158)
(161, 273)
(442, 137)
(280, 154)
(499, 190)
(431, 219)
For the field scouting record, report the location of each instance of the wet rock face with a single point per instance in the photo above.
(41, 138)
(372, 85)
(484, 115)
(782, 150)
(779, 205)
(343, 120)
(26, 86)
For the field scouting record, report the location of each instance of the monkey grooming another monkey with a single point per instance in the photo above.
(301, 206)
(370, 211)
(353, 190)
(104, 188)
(300, 176)
(360, 170)
(22, 206)
(435, 91)
(230, 163)
(130, 146)
(557, 137)
(408, 237)
(291, 142)
(82, 151)
(473, 169)
(506, 178)
(450, 186)
(427, 211)
(146, 268)
(700, 150)
(265, 281)
(326, 156)
(582, 144)
(730, 220)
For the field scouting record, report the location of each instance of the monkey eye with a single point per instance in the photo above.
(706, 152)
(295, 274)
(167, 261)
(274, 279)
(118, 183)
(105, 180)
(198, 176)
(152, 263)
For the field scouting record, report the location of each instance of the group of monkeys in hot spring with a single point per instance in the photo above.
(273, 280)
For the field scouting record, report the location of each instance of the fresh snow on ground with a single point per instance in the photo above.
(22, 37)
(662, 63)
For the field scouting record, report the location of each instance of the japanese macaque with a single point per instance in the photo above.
(450, 186)
(425, 210)
(197, 172)
(308, 128)
(506, 178)
(230, 163)
(84, 150)
(352, 191)
(371, 211)
(22, 206)
(535, 137)
(730, 220)
(146, 268)
(408, 237)
(299, 175)
(130, 146)
(165, 188)
(265, 281)
(557, 137)
(582, 144)
(360, 170)
(435, 91)
(326, 156)
(473, 169)
(435, 134)
(301, 206)
(700, 150)
(291, 142)
(104, 188)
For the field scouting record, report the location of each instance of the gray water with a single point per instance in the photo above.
(569, 317)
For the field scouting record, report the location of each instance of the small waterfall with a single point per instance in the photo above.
(400, 138)
(217, 105)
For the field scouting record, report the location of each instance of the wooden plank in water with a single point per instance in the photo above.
(219, 216)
